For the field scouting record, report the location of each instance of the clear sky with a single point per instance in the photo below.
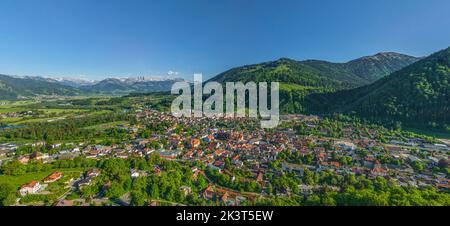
(102, 38)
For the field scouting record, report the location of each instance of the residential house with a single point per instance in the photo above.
(30, 188)
(53, 177)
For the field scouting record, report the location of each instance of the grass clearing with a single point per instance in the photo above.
(291, 87)
(107, 125)
(19, 180)
(10, 109)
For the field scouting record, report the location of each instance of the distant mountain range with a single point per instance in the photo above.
(73, 82)
(128, 85)
(15, 87)
(12, 87)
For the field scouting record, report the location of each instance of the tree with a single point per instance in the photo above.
(116, 169)
(308, 177)
(137, 198)
(202, 182)
(7, 194)
(89, 191)
(418, 166)
(154, 191)
(14, 168)
(269, 189)
(115, 191)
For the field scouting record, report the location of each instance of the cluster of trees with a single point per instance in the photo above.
(352, 191)
(8, 194)
(115, 181)
(166, 187)
(222, 179)
(16, 168)
(296, 157)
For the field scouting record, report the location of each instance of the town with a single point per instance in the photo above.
(159, 159)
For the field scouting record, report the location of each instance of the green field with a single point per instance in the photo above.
(10, 109)
(10, 120)
(107, 125)
(59, 110)
(21, 121)
(47, 115)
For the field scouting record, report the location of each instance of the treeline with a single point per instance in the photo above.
(15, 168)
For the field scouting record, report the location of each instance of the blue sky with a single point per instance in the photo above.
(103, 38)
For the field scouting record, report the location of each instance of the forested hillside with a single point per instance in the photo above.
(418, 95)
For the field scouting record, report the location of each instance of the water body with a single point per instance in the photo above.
(11, 127)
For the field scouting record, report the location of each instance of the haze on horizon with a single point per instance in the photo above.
(114, 38)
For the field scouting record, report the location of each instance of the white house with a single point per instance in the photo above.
(30, 188)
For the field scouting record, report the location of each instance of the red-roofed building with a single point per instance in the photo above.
(195, 143)
(30, 188)
(219, 164)
(335, 164)
(378, 171)
(53, 177)
(236, 157)
(218, 152)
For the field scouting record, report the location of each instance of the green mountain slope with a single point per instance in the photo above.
(318, 73)
(301, 78)
(417, 95)
(292, 72)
